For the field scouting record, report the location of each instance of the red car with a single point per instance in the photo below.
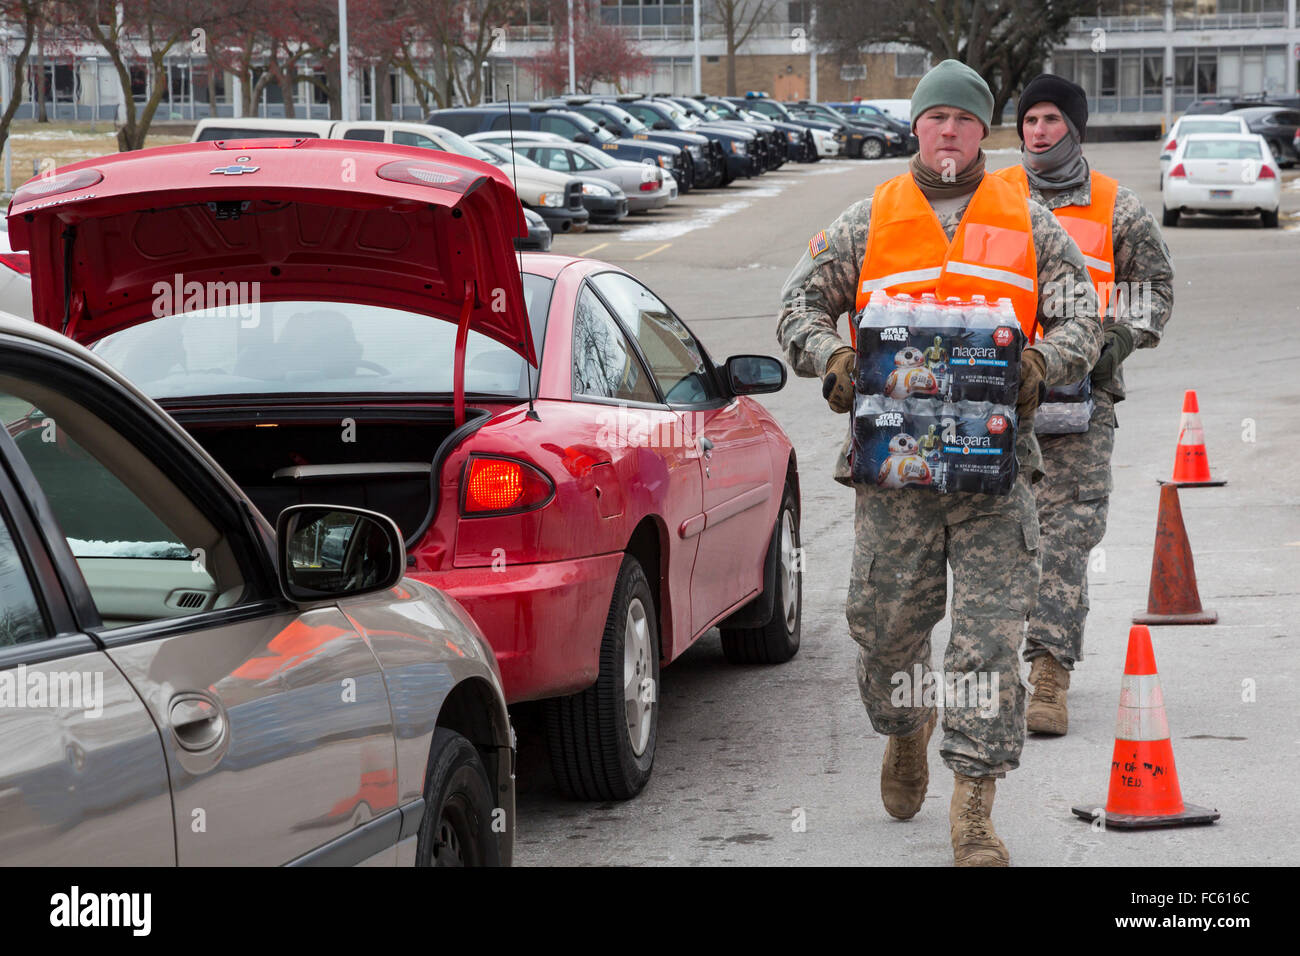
(596, 512)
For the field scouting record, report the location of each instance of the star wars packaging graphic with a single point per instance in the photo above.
(943, 446)
(1066, 410)
(952, 351)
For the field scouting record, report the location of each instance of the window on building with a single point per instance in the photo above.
(1207, 72)
(910, 64)
(1153, 74)
(1109, 75)
(1185, 73)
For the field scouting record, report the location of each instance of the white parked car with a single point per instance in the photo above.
(1223, 174)
(1193, 124)
(15, 277)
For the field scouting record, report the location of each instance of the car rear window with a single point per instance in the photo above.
(1222, 149)
(317, 347)
(1209, 126)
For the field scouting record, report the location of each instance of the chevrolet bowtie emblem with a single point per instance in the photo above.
(234, 170)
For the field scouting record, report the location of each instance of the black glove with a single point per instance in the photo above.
(837, 384)
(1117, 345)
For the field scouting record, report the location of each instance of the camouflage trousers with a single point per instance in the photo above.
(905, 540)
(1073, 499)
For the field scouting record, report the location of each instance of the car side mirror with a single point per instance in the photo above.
(326, 552)
(660, 124)
(755, 374)
(581, 138)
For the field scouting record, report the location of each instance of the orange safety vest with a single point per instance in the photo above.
(1091, 227)
(991, 253)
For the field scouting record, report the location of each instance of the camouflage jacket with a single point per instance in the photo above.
(1143, 267)
(822, 288)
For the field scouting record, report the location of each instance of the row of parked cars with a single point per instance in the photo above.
(307, 474)
(1227, 162)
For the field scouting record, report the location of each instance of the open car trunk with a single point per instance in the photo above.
(385, 460)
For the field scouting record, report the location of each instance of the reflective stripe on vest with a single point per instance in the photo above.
(991, 253)
(1091, 227)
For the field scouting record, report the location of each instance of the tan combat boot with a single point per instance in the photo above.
(906, 772)
(1046, 713)
(971, 826)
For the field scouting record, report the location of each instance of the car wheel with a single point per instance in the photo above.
(778, 640)
(1269, 219)
(1170, 217)
(458, 807)
(872, 149)
(602, 741)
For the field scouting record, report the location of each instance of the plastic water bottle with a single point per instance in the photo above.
(873, 313)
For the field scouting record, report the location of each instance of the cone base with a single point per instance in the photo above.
(1191, 815)
(1194, 617)
(1191, 484)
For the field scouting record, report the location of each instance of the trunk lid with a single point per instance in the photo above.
(120, 240)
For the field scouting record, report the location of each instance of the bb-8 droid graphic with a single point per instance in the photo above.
(910, 376)
(904, 466)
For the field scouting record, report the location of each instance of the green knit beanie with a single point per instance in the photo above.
(953, 83)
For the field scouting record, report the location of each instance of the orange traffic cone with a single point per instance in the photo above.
(1172, 597)
(1144, 789)
(1191, 464)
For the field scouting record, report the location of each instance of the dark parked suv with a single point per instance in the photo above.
(545, 118)
(702, 165)
(1278, 125)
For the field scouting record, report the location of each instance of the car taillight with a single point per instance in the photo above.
(497, 486)
(422, 173)
(1171, 144)
(46, 185)
(20, 262)
(1266, 172)
(1178, 172)
(650, 185)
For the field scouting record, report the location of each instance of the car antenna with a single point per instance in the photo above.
(510, 125)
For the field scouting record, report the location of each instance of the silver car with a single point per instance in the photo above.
(182, 684)
(645, 184)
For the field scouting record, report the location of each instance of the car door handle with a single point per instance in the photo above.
(706, 446)
(197, 722)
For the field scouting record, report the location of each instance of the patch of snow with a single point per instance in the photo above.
(128, 549)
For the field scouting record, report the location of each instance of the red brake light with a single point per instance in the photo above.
(1266, 172)
(20, 262)
(45, 185)
(1171, 144)
(1178, 172)
(424, 174)
(650, 185)
(502, 486)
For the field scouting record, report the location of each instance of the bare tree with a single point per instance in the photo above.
(28, 14)
(737, 19)
(1005, 41)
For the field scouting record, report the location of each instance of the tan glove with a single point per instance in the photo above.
(837, 383)
(1033, 368)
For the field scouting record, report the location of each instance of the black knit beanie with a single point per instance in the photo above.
(1068, 97)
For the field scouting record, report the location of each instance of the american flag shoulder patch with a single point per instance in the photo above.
(817, 244)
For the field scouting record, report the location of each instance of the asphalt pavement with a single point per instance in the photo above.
(779, 765)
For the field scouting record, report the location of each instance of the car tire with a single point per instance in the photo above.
(872, 149)
(777, 641)
(598, 749)
(1269, 220)
(458, 807)
(1170, 217)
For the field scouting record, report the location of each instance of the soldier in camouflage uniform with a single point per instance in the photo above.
(1074, 497)
(905, 537)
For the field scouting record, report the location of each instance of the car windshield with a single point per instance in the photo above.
(632, 124)
(726, 110)
(1187, 127)
(501, 155)
(679, 117)
(317, 347)
(455, 143)
(597, 156)
(1222, 149)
